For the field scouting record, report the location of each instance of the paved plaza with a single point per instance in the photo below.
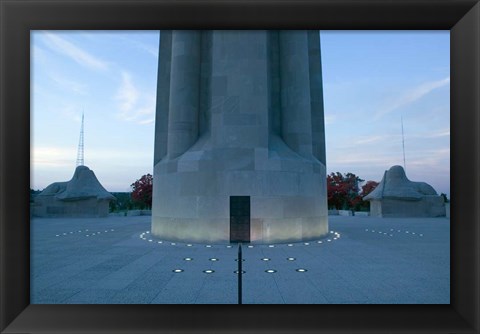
(363, 260)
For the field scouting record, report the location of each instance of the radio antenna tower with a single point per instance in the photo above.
(403, 146)
(80, 157)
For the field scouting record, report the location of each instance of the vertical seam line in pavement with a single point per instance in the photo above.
(163, 288)
(278, 289)
(64, 300)
(203, 284)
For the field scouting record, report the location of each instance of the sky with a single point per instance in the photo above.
(372, 82)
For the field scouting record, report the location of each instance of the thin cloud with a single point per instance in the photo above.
(109, 154)
(369, 140)
(82, 57)
(127, 95)
(431, 157)
(147, 121)
(413, 95)
(71, 113)
(358, 161)
(142, 46)
(53, 156)
(443, 133)
(71, 85)
(359, 142)
(330, 119)
(134, 106)
(436, 134)
(38, 54)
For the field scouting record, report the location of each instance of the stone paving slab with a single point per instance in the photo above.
(364, 260)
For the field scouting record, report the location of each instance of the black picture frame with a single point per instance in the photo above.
(18, 17)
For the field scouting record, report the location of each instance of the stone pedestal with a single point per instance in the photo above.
(83, 196)
(397, 196)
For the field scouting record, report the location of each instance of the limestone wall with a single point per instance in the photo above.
(429, 206)
(50, 207)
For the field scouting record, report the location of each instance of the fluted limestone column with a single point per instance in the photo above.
(184, 92)
(240, 87)
(239, 119)
(316, 96)
(163, 95)
(295, 91)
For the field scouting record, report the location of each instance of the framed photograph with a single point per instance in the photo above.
(19, 19)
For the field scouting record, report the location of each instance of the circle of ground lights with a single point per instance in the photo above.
(213, 259)
(188, 259)
(177, 270)
(209, 271)
(301, 270)
(290, 258)
(236, 272)
(391, 235)
(265, 259)
(270, 271)
(336, 237)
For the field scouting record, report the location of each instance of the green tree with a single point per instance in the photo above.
(123, 202)
(33, 194)
(445, 198)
